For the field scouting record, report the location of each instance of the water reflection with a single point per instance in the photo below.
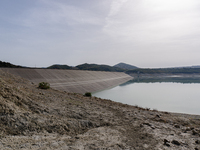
(167, 79)
(174, 94)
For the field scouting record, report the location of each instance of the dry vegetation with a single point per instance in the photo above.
(32, 118)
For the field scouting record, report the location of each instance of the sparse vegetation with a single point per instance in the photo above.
(44, 85)
(88, 94)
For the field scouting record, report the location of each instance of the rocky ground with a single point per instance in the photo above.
(35, 119)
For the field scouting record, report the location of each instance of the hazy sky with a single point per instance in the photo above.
(144, 33)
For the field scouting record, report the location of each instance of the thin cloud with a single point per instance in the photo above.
(56, 15)
(115, 7)
(108, 31)
(155, 19)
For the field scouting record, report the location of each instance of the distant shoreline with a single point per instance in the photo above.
(164, 75)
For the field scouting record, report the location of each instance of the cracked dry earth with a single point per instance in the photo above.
(35, 119)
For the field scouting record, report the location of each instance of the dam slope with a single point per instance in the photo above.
(76, 81)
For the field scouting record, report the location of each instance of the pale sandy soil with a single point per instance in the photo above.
(35, 119)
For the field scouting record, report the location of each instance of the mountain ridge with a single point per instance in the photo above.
(95, 67)
(125, 66)
(58, 66)
(120, 67)
(9, 65)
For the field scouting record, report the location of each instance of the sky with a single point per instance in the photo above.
(143, 33)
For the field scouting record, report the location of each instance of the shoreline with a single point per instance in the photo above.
(193, 116)
(164, 75)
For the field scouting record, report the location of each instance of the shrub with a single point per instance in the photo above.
(88, 94)
(44, 85)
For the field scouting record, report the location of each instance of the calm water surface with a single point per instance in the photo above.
(182, 97)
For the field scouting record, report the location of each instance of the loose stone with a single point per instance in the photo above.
(176, 142)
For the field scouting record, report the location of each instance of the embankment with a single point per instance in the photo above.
(76, 81)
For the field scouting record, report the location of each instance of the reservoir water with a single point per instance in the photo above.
(180, 95)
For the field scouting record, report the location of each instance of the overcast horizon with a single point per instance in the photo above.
(143, 33)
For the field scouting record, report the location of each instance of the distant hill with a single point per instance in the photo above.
(125, 66)
(184, 70)
(198, 66)
(8, 65)
(57, 66)
(95, 67)
(195, 67)
(121, 67)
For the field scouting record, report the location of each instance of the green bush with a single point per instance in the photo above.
(88, 94)
(44, 85)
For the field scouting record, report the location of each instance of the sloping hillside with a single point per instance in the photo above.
(31, 118)
(59, 67)
(125, 66)
(95, 67)
(8, 65)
